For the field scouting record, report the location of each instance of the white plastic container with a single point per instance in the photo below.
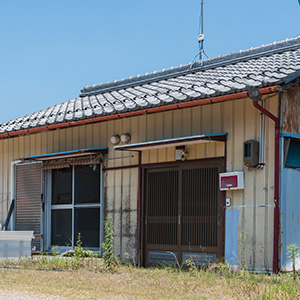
(15, 244)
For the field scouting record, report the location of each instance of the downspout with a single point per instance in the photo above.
(101, 207)
(12, 187)
(262, 139)
(255, 96)
(139, 210)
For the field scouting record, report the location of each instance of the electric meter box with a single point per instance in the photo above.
(251, 153)
(231, 181)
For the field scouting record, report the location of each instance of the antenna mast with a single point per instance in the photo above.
(201, 35)
(200, 39)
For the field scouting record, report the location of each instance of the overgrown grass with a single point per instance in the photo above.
(91, 279)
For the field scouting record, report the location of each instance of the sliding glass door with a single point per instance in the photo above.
(75, 206)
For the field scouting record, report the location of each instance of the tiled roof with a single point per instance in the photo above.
(268, 65)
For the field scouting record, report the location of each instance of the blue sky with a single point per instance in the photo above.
(52, 49)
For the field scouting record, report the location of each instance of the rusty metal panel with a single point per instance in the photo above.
(291, 112)
(28, 200)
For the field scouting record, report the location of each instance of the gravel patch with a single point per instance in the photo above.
(18, 295)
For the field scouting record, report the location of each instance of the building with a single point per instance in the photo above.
(148, 151)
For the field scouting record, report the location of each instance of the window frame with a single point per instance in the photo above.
(286, 145)
(49, 207)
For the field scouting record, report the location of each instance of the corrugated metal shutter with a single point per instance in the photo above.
(28, 200)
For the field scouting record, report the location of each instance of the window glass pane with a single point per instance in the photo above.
(61, 227)
(62, 186)
(87, 184)
(293, 155)
(87, 222)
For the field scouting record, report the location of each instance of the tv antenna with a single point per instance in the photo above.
(200, 33)
(200, 38)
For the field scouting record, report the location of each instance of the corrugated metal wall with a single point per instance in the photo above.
(290, 210)
(289, 178)
(238, 118)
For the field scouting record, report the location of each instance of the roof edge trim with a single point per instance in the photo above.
(211, 100)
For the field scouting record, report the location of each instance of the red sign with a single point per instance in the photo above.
(229, 182)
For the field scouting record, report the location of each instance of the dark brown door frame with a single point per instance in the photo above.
(146, 167)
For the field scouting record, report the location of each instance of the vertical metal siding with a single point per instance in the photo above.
(238, 118)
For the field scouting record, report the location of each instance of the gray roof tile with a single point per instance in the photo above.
(273, 64)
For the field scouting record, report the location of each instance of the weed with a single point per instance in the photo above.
(54, 251)
(92, 281)
(243, 238)
(293, 254)
(43, 261)
(78, 250)
(130, 261)
(89, 253)
(176, 259)
(57, 262)
(107, 245)
(67, 263)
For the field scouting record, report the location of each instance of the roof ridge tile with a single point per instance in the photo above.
(219, 61)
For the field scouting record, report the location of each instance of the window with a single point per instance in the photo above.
(292, 153)
(75, 206)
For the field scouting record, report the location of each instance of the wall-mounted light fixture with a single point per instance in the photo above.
(181, 153)
(125, 138)
(115, 139)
